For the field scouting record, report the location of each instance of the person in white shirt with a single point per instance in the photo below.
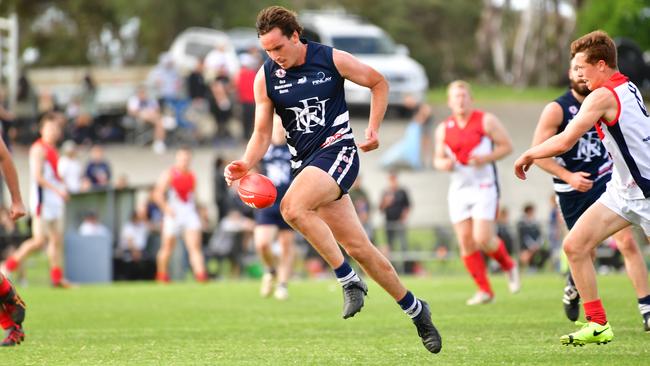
(70, 168)
(91, 226)
(146, 109)
(134, 236)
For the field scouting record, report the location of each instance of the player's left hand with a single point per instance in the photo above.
(16, 211)
(522, 165)
(372, 140)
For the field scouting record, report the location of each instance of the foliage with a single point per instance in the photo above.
(621, 18)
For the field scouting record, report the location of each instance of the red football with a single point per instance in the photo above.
(257, 191)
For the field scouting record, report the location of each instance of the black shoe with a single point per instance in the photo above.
(426, 330)
(646, 322)
(571, 301)
(353, 293)
(14, 305)
(15, 336)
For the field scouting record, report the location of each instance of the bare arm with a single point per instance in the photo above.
(600, 103)
(441, 160)
(547, 126)
(499, 136)
(359, 73)
(11, 177)
(261, 138)
(159, 192)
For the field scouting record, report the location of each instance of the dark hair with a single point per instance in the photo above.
(597, 46)
(277, 17)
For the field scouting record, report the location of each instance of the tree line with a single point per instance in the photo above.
(484, 40)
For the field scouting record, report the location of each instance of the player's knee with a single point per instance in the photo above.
(574, 248)
(291, 213)
(627, 245)
(262, 244)
(358, 248)
(38, 242)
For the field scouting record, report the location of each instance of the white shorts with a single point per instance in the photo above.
(479, 203)
(49, 207)
(187, 220)
(634, 211)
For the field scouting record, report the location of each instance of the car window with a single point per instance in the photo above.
(198, 50)
(364, 45)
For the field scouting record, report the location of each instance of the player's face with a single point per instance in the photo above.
(183, 159)
(592, 74)
(281, 49)
(459, 100)
(577, 83)
(50, 131)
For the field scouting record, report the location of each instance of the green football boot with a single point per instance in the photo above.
(589, 333)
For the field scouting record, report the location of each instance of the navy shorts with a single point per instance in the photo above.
(341, 162)
(574, 204)
(271, 216)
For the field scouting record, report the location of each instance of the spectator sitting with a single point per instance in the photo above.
(395, 205)
(245, 80)
(146, 110)
(90, 226)
(69, 167)
(227, 242)
(98, 170)
(131, 262)
(533, 254)
(81, 130)
(413, 150)
(168, 85)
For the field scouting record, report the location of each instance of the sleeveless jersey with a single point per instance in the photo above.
(40, 196)
(627, 139)
(277, 167)
(587, 155)
(181, 190)
(311, 102)
(460, 144)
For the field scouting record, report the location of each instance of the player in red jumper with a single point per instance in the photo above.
(468, 144)
(47, 197)
(178, 184)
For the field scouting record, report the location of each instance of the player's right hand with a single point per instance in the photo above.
(580, 182)
(64, 194)
(235, 171)
(522, 165)
(16, 211)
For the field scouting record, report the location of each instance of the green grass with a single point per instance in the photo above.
(500, 93)
(226, 323)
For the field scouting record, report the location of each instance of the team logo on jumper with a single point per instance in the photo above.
(280, 73)
(589, 146)
(320, 78)
(573, 110)
(310, 115)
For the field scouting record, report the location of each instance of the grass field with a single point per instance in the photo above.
(500, 93)
(226, 323)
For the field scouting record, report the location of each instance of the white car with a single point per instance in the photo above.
(373, 46)
(196, 42)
